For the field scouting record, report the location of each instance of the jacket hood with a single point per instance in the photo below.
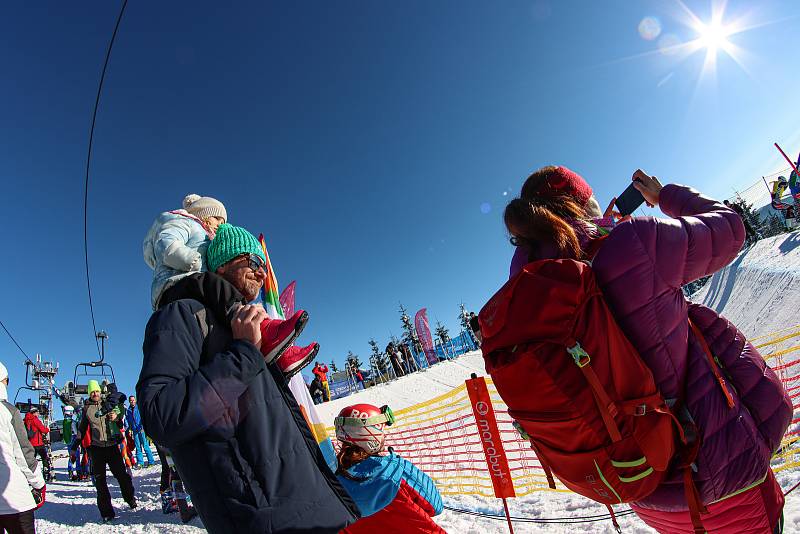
(213, 292)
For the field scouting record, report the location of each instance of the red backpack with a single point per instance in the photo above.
(577, 387)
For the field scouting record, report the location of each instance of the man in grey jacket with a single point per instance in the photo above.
(104, 451)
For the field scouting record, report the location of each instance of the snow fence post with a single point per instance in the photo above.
(489, 434)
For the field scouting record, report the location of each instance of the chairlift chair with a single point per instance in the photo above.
(97, 370)
(100, 371)
(25, 406)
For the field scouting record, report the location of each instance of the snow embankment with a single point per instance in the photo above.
(759, 291)
(412, 389)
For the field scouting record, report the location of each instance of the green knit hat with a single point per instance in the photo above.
(93, 386)
(230, 242)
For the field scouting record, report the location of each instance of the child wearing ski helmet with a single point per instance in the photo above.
(393, 495)
(176, 243)
(710, 377)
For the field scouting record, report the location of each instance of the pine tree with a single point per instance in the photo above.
(442, 333)
(775, 226)
(353, 360)
(749, 214)
(377, 361)
(463, 317)
(693, 287)
(410, 333)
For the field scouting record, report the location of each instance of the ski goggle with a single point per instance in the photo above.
(385, 417)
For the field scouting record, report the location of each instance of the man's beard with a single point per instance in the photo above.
(251, 289)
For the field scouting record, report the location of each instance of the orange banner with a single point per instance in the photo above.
(490, 438)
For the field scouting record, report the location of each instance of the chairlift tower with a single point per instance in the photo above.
(40, 379)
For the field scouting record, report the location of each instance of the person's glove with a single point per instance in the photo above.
(39, 495)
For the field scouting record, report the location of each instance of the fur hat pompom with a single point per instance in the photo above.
(190, 199)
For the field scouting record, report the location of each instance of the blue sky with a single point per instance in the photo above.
(374, 143)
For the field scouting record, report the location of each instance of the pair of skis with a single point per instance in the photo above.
(176, 499)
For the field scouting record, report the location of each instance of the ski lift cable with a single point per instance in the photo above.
(15, 343)
(88, 165)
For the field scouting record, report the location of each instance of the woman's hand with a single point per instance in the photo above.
(648, 186)
(614, 214)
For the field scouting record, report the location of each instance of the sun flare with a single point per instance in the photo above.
(713, 36)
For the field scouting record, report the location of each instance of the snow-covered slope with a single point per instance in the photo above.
(760, 290)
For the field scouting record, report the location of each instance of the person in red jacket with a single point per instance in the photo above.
(322, 372)
(36, 431)
(392, 494)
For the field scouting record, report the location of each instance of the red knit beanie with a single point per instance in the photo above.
(560, 180)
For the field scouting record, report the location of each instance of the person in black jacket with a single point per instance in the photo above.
(317, 391)
(237, 436)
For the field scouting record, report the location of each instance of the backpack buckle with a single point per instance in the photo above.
(581, 357)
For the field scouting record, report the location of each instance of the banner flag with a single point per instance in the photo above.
(490, 438)
(287, 299)
(424, 334)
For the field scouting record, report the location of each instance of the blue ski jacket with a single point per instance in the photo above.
(133, 419)
(390, 492)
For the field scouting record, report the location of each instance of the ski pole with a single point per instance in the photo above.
(787, 159)
(765, 183)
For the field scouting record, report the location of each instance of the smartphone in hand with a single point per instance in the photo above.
(629, 200)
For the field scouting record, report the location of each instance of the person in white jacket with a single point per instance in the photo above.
(22, 486)
(175, 245)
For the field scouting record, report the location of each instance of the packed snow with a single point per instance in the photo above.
(755, 292)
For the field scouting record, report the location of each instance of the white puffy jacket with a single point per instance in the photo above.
(18, 479)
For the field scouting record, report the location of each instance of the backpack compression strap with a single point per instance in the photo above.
(608, 410)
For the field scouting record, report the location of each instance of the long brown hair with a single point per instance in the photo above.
(348, 456)
(538, 217)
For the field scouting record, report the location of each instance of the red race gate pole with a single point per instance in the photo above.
(787, 159)
(493, 449)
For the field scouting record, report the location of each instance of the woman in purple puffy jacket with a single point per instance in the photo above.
(640, 267)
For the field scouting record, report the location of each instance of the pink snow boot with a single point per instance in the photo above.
(276, 335)
(295, 358)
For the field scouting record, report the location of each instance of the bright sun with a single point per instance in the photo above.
(712, 36)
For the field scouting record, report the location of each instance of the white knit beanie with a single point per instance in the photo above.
(202, 207)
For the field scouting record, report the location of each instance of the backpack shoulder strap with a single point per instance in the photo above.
(593, 248)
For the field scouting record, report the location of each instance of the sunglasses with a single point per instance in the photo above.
(254, 262)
